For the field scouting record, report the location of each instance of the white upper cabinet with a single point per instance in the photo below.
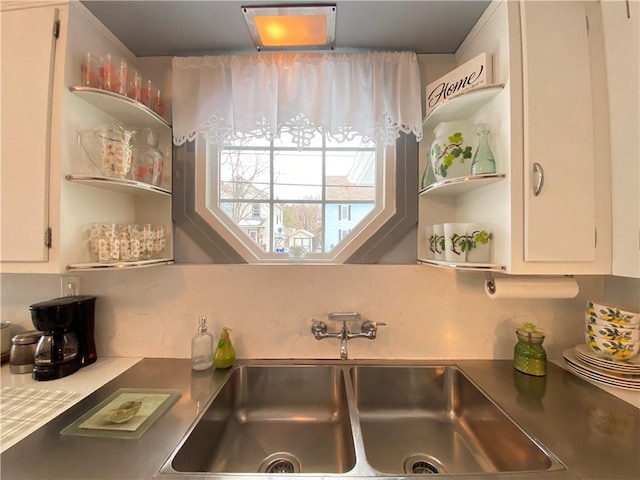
(622, 48)
(28, 59)
(48, 180)
(549, 136)
(558, 133)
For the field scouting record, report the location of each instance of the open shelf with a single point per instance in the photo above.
(458, 185)
(118, 106)
(118, 185)
(119, 265)
(463, 105)
(484, 267)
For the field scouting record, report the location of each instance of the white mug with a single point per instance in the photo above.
(429, 241)
(455, 242)
(438, 232)
(480, 242)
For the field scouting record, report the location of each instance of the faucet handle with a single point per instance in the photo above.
(370, 328)
(318, 327)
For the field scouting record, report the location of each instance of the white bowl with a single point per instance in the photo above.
(610, 349)
(612, 314)
(617, 334)
(593, 320)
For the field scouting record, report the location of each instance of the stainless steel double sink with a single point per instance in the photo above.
(353, 421)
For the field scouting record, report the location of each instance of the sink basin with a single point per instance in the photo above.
(354, 420)
(273, 419)
(424, 420)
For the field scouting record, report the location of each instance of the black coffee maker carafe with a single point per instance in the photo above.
(68, 343)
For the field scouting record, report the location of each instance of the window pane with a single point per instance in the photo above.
(340, 218)
(302, 226)
(253, 220)
(244, 174)
(351, 175)
(297, 175)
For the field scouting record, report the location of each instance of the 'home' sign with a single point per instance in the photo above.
(475, 73)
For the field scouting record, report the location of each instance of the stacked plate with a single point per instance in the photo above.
(615, 373)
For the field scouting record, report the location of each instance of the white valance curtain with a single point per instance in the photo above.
(372, 94)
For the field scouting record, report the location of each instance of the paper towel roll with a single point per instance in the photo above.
(527, 287)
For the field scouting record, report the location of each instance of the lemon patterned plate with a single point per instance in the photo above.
(631, 366)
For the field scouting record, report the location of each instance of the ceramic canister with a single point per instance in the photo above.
(452, 150)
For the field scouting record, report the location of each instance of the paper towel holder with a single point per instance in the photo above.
(491, 284)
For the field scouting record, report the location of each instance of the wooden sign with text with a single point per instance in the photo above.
(472, 74)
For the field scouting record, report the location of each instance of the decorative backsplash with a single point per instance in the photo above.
(430, 313)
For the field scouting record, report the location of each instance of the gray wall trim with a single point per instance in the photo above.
(406, 216)
(184, 208)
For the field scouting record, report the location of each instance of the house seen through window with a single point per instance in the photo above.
(296, 202)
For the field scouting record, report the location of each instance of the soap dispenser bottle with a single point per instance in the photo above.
(225, 353)
(202, 347)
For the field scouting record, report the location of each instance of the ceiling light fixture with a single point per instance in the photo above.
(291, 26)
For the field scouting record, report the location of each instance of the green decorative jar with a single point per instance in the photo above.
(528, 355)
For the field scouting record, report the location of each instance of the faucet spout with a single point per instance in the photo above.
(344, 336)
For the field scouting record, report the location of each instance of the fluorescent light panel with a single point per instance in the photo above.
(286, 27)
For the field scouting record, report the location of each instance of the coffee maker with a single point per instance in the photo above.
(68, 343)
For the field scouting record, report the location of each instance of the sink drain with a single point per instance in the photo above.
(280, 462)
(422, 464)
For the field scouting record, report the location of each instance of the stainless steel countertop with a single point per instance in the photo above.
(594, 434)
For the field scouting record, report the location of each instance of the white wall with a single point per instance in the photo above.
(431, 313)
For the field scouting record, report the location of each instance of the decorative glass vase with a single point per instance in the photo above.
(483, 161)
(528, 355)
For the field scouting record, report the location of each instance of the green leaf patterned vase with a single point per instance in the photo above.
(528, 355)
(452, 150)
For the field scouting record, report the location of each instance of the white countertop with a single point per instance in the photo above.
(83, 382)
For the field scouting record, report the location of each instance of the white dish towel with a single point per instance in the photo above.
(24, 410)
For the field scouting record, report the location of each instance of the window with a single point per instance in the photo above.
(206, 204)
(295, 197)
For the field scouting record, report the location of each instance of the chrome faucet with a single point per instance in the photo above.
(368, 329)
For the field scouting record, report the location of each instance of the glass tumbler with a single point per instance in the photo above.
(147, 237)
(104, 242)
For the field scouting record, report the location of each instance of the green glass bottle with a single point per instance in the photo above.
(483, 161)
(225, 354)
(428, 177)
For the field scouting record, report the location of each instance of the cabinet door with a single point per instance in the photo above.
(28, 47)
(558, 133)
(622, 49)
